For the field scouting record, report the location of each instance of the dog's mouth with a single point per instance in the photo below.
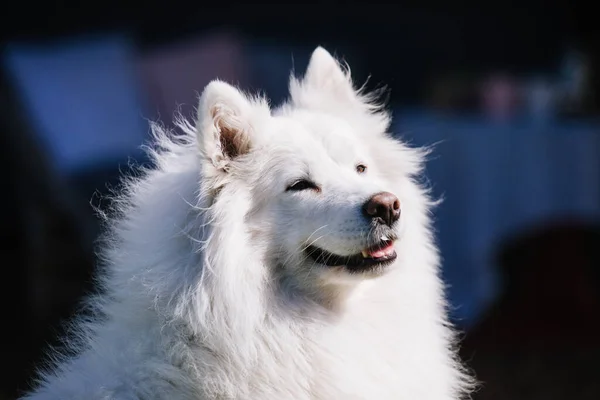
(379, 255)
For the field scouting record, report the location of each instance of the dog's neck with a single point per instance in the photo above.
(330, 297)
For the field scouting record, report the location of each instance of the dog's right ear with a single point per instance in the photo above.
(225, 124)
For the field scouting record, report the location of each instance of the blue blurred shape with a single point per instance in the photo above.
(81, 98)
(496, 180)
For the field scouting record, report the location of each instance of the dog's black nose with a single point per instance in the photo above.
(384, 207)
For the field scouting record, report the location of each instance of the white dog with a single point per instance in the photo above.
(271, 254)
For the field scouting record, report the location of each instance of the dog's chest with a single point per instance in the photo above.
(374, 357)
(355, 361)
(373, 352)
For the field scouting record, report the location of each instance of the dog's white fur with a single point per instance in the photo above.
(208, 294)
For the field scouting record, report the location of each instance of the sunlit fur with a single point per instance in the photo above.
(208, 292)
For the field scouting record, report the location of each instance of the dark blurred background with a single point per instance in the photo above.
(508, 91)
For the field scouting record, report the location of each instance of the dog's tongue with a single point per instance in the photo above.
(382, 252)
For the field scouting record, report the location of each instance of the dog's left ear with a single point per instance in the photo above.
(324, 77)
(325, 73)
(327, 86)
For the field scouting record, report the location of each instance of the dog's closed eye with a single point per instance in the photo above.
(302, 184)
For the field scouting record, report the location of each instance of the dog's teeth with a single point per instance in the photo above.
(384, 238)
(365, 254)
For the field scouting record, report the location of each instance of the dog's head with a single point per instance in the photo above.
(326, 191)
